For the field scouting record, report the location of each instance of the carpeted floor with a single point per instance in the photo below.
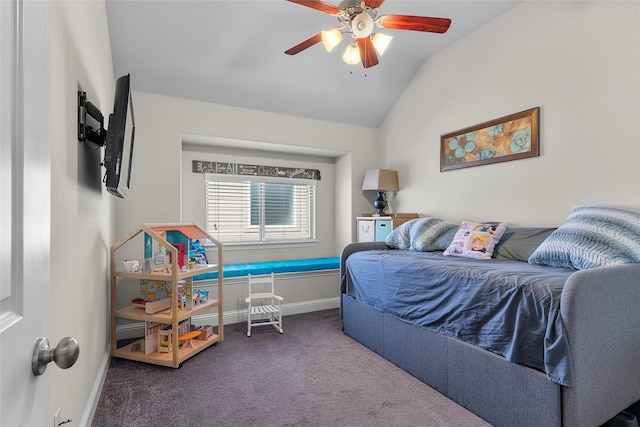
(312, 375)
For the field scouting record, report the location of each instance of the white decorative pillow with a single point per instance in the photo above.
(420, 234)
(592, 236)
(476, 240)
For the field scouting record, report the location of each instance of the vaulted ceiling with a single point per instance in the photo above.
(232, 53)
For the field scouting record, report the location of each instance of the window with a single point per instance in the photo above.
(241, 209)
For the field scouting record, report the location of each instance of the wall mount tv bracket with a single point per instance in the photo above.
(91, 129)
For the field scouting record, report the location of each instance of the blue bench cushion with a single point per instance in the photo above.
(258, 268)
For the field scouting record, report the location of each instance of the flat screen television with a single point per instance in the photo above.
(118, 154)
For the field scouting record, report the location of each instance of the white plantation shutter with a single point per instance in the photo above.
(247, 209)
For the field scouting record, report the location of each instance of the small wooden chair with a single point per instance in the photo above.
(265, 308)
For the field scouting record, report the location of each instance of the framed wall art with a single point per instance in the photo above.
(508, 138)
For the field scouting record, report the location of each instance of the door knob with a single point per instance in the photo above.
(64, 354)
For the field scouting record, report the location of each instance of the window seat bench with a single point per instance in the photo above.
(268, 267)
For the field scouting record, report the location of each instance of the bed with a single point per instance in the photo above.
(516, 341)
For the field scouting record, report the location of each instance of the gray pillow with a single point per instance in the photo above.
(518, 243)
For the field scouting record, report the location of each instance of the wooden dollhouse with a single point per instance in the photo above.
(168, 298)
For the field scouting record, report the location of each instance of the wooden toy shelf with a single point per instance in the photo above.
(176, 313)
(164, 316)
(165, 359)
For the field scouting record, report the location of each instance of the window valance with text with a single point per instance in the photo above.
(226, 168)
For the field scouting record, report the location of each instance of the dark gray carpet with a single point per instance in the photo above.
(312, 375)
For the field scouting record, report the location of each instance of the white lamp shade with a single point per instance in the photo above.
(380, 42)
(351, 55)
(331, 38)
(381, 180)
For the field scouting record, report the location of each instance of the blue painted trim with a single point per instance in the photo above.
(258, 268)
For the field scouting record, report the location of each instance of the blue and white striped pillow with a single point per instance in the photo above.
(592, 236)
(420, 234)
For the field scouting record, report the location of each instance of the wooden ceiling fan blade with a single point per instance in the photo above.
(415, 23)
(304, 45)
(368, 54)
(373, 4)
(318, 5)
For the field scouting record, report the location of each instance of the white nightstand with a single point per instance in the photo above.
(377, 228)
(373, 229)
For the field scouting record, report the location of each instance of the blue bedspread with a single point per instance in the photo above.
(509, 307)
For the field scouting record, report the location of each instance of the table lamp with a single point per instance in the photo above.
(380, 180)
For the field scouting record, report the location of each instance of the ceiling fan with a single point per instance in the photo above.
(357, 19)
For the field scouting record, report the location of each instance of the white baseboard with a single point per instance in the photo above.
(96, 390)
(136, 330)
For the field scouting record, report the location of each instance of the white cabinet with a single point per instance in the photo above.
(377, 228)
(373, 229)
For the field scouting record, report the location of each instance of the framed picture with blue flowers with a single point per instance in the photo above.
(508, 138)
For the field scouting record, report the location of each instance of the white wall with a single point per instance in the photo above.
(580, 62)
(171, 132)
(82, 212)
(162, 123)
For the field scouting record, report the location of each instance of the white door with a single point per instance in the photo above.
(24, 207)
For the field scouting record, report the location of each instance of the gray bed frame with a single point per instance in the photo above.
(600, 309)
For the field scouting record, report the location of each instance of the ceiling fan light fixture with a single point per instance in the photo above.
(357, 19)
(331, 38)
(351, 55)
(380, 42)
(362, 25)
